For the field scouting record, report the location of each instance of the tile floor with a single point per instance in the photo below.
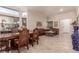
(55, 44)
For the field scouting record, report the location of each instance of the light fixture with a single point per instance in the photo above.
(24, 14)
(61, 10)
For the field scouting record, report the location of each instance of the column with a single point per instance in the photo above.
(77, 12)
(20, 19)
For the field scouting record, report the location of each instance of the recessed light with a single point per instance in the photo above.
(61, 10)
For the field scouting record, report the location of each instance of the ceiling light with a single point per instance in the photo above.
(24, 14)
(61, 10)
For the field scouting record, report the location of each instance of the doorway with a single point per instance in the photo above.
(65, 26)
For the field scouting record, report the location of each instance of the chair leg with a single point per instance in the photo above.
(32, 43)
(7, 47)
(37, 42)
(27, 47)
(18, 50)
(0, 49)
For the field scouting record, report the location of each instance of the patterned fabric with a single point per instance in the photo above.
(75, 38)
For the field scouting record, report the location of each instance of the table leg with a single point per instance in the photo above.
(8, 46)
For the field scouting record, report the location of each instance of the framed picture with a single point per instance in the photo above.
(39, 24)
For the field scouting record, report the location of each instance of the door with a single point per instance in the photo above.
(65, 26)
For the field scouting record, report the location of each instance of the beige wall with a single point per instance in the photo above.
(68, 15)
(33, 17)
(77, 14)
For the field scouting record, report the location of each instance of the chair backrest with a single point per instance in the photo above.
(35, 34)
(27, 34)
(23, 37)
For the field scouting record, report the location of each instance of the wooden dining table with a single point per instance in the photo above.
(8, 37)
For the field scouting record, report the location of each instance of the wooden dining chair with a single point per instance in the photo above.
(23, 39)
(3, 45)
(35, 36)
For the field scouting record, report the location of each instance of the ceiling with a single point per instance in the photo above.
(47, 10)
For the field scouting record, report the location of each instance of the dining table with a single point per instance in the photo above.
(8, 37)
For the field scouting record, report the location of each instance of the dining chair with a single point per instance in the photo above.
(23, 39)
(3, 45)
(35, 36)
